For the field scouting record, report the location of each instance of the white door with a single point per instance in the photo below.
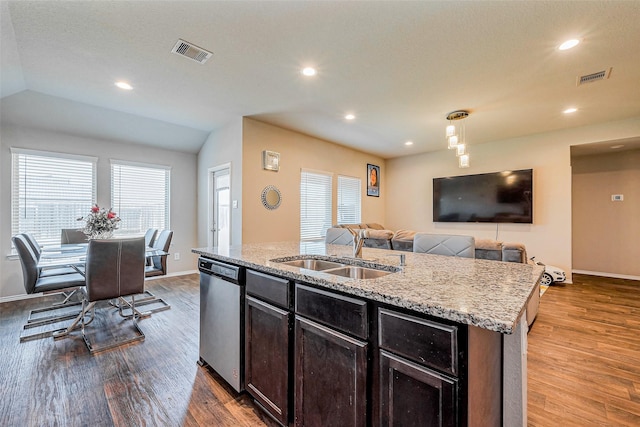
(220, 226)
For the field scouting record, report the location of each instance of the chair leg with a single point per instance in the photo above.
(61, 333)
(33, 318)
(135, 314)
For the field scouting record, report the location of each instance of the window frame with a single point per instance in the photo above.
(117, 205)
(354, 182)
(328, 200)
(49, 235)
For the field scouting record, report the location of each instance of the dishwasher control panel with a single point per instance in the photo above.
(229, 272)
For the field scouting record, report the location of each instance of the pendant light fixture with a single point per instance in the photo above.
(455, 135)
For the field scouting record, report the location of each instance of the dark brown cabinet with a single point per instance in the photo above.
(330, 377)
(412, 395)
(268, 343)
(267, 356)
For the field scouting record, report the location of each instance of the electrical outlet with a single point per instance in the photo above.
(176, 256)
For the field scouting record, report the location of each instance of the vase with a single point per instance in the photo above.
(101, 235)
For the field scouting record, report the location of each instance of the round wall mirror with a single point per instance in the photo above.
(271, 197)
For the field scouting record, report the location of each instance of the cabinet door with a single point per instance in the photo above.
(412, 395)
(330, 376)
(267, 356)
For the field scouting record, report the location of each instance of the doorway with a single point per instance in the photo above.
(219, 206)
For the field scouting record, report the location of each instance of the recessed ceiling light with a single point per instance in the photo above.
(349, 117)
(569, 44)
(408, 143)
(615, 147)
(309, 71)
(570, 110)
(124, 85)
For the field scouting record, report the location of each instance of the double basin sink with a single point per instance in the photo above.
(338, 268)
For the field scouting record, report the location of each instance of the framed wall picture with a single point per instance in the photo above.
(373, 180)
(270, 160)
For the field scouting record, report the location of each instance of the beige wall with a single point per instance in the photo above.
(223, 146)
(409, 187)
(606, 233)
(297, 151)
(183, 193)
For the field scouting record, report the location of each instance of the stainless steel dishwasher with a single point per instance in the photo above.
(222, 320)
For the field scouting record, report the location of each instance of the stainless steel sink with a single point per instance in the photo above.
(313, 264)
(354, 272)
(339, 269)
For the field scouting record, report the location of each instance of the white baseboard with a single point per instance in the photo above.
(27, 296)
(603, 274)
(177, 273)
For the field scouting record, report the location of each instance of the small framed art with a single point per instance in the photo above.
(270, 160)
(373, 180)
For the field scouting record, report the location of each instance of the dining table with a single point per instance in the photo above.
(74, 255)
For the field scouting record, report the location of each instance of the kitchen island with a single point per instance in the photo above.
(466, 312)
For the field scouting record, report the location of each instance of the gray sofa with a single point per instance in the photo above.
(376, 236)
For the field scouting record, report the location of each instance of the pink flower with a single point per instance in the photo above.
(95, 209)
(111, 215)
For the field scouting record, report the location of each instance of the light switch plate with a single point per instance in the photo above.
(235, 204)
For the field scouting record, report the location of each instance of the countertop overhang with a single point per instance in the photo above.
(488, 294)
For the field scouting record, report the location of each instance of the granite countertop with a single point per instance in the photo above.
(488, 294)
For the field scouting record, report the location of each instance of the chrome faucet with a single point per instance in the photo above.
(358, 241)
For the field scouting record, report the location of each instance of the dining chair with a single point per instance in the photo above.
(444, 244)
(44, 272)
(114, 269)
(35, 283)
(158, 265)
(73, 235)
(150, 237)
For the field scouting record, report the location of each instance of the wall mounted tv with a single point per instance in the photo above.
(489, 197)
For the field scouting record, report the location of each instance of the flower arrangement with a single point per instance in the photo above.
(100, 223)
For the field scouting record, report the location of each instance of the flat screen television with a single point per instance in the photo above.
(489, 197)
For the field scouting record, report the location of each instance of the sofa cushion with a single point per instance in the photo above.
(489, 249)
(514, 252)
(402, 240)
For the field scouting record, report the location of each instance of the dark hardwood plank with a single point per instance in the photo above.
(584, 355)
(583, 366)
(156, 382)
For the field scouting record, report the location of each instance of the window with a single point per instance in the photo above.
(315, 204)
(49, 192)
(140, 196)
(348, 200)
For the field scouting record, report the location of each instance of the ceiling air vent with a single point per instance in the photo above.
(593, 77)
(191, 51)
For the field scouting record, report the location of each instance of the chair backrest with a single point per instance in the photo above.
(444, 244)
(163, 242)
(28, 260)
(150, 237)
(35, 247)
(114, 268)
(72, 235)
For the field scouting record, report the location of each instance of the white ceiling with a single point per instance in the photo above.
(400, 67)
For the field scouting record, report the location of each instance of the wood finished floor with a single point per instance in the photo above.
(584, 355)
(584, 366)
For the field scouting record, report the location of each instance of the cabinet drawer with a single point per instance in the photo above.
(268, 288)
(422, 341)
(343, 313)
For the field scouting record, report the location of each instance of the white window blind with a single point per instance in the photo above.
(348, 200)
(140, 196)
(315, 204)
(49, 192)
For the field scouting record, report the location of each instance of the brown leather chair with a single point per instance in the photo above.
(158, 265)
(114, 269)
(72, 235)
(34, 283)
